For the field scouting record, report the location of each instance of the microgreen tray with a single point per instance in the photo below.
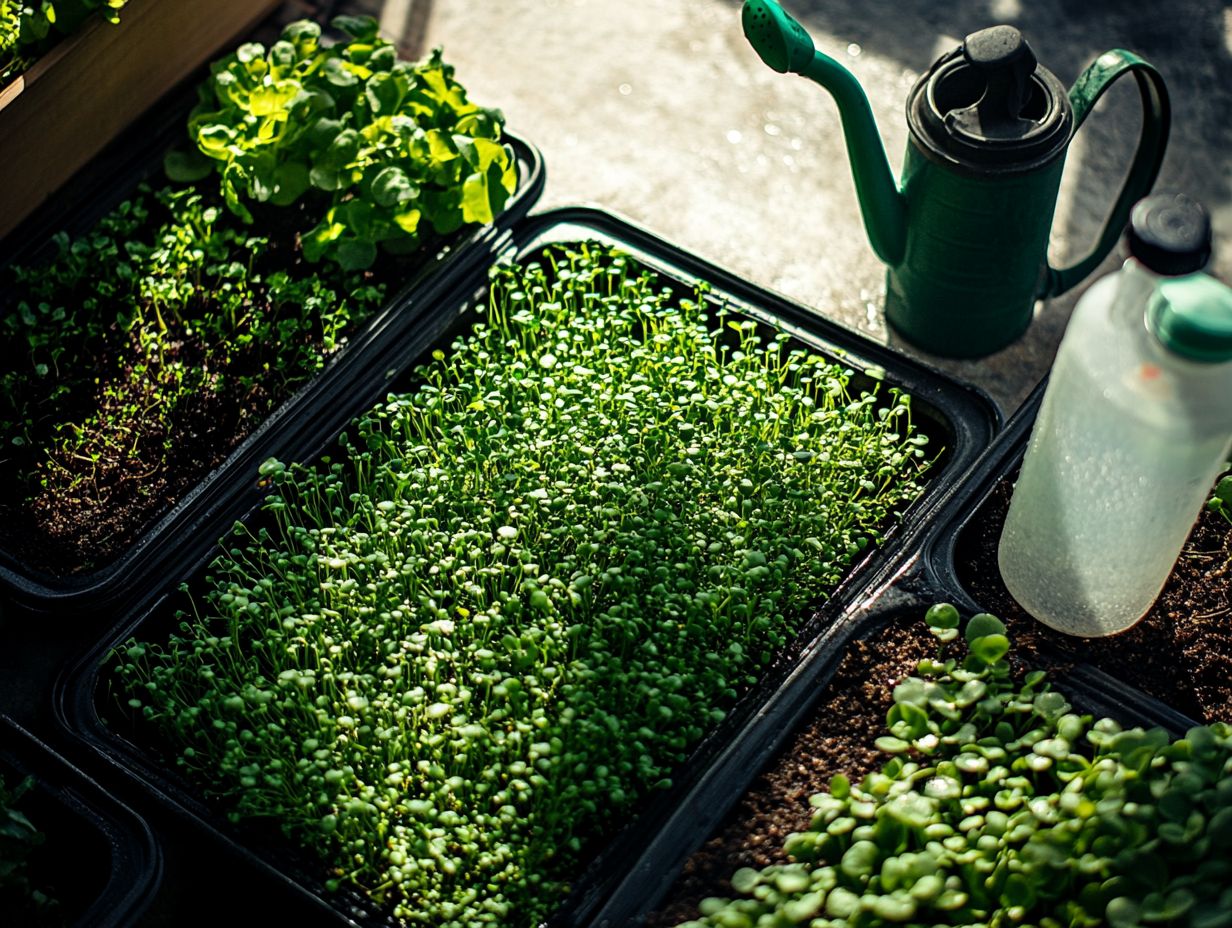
(954, 418)
(790, 750)
(98, 860)
(207, 509)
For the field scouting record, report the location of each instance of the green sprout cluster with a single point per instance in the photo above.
(161, 270)
(19, 897)
(28, 28)
(1221, 498)
(525, 590)
(1002, 806)
(10, 31)
(202, 291)
(390, 147)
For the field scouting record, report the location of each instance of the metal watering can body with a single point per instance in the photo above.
(965, 235)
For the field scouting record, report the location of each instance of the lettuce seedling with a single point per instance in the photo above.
(379, 149)
(28, 28)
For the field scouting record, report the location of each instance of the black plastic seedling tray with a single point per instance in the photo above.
(955, 417)
(646, 888)
(99, 860)
(1179, 650)
(205, 512)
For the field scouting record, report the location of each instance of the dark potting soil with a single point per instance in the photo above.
(1181, 651)
(838, 739)
(64, 513)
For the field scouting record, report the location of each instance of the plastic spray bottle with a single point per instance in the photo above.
(1135, 425)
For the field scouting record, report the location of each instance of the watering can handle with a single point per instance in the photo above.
(1156, 119)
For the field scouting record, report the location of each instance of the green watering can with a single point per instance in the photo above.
(965, 235)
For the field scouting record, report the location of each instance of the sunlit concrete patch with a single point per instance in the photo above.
(686, 150)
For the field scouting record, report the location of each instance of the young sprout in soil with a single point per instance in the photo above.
(1221, 498)
(1000, 805)
(167, 325)
(146, 348)
(20, 898)
(464, 647)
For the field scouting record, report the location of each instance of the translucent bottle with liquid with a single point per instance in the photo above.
(1135, 425)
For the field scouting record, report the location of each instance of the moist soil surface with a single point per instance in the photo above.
(1180, 653)
(62, 513)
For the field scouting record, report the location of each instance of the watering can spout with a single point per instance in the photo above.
(785, 46)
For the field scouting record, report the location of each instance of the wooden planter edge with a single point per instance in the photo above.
(75, 99)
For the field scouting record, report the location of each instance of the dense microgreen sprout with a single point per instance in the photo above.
(161, 270)
(19, 838)
(1002, 806)
(522, 592)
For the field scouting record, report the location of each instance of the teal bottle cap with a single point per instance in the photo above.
(1192, 317)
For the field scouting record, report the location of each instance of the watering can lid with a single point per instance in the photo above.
(989, 105)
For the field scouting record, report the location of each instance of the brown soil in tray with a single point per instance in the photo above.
(838, 739)
(63, 513)
(1180, 653)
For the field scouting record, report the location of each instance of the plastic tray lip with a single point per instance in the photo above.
(136, 866)
(1002, 455)
(76, 694)
(939, 564)
(901, 596)
(112, 586)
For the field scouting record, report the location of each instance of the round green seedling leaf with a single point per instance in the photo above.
(896, 907)
(860, 860)
(186, 166)
(989, 648)
(391, 187)
(799, 911)
(891, 745)
(942, 615)
(913, 810)
(842, 903)
(791, 880)
(745, 879)
(981, 625)
(840, 786)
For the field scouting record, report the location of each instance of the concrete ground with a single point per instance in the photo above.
(659, 110)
